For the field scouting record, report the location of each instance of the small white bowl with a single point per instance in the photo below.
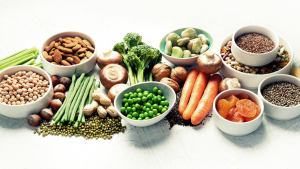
(254, 59)
(234, 128)
(251, 81)
(68, 71)
(168, 92)
(274, 111)
(23, 111)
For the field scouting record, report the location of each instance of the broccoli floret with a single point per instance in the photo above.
(153, 62)
(120, 47)
(132, 39)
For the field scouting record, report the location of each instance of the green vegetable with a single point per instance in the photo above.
(18, 61)
(168, 47)
(177, 52)
(2, 60)
(204, 48)
(197, 45)
(131, 40)
(30, 62)
(183, 41)
(38, 65)
(90, 98)
(32, 50)
(204, 39)
(189, 32)
(186, 54)
(173, 37)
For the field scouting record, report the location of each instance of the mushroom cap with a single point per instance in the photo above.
(209, 62)
(113, 74)
(115, 90)
(109, 57)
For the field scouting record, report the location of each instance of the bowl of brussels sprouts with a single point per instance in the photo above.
(145, 103)
(183, 46)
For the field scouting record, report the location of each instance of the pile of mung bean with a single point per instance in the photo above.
(281, 60)
(94, 127)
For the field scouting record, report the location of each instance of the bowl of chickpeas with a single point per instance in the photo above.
(24, 90)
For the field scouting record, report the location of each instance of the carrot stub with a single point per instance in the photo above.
(197, 92)
(234, 116)
(246, 119)
(246, 108)
(187, 90)
(207, 99)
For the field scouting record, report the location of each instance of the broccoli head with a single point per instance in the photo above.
(132, 39)
(120, 47)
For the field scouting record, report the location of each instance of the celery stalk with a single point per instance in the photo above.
(31, 62)
(15, 57)
(18, 61)
(12, 55)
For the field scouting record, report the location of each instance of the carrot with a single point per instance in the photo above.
(187, 89)
(197, 92)
(207, 99)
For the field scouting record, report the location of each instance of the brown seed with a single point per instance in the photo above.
(34, 120)
(65, 63)
(91, 48)
(88, 54)
(47, 114)
(76, 59)
(82, 55)
(87, 42)
(57, 56)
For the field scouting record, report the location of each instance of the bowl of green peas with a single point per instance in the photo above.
(145, 103)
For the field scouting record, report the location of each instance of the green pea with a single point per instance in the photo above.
(128, 113)
(151, 108)
(167, 103)
(154, 111)
(163, 110)
(145, 93)
(154, 98)
(138, 100)
(130, 101)
(140, 95)
(139, 90)
(126, 95)
(142, 115)
(124, 100)
(139, 111)
(140, 118)
(134, 100)
(146, 114)
(155, 89)
(159, 92)
(131, 96)
(159, 99)
(137, 106)
(122, 110)
(150, 113)
(147, 110)
(133, 109)
(150, 96)
(130, 93)
(129, 109)
(144, 99)
(144, 108)
(148, 105)
(163, 98)
(129, 116)
(126, 105)
(155, 106)
(166, 107)
(162, 103)
(158, 114)
(135, 114)
(135, 94)
(147, 118)
(160, 107)
(150, 101)
(145, 103)
(133, 118)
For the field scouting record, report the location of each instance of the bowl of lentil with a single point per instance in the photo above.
(24, 90)
(236, 128)
(281, 96)
(250, 76)
(149, 109)
(254, 45)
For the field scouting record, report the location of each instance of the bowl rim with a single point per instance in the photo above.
(66, 32)
(290, 62)
(245, 91)
(28, 104)
(277, 75)
(144, 83)
(212, 43)
(257, 54)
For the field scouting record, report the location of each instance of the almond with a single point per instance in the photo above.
(84, 59)
(66, 54)
(82, 50)
(47, 57)
(67, 50)
(91, 48)
(57, 56)
(80, 41)
(72, 44)
(65, 63)
(77, 47)
(76, 59)
(88, 54)
(82, 55)
(70, 59)
(52, 51)
(87, 42)
(48, 48)
(55, 63)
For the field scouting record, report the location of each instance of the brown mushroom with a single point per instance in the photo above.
(229, 83)
(113, 74)
(160, 71)
(115, 90)
(109, 57)
(209, 62)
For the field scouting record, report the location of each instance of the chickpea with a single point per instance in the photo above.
(41, 78)
(15, 93)
(13, 103)
(18, 103)
(16, 87)
(10, 88)
(6, 100)
(30, 79)
(1, 100)
(30, 90)
(18, 96)
(13, 76)
(5, 77)
(31, 85)
(22, 98)
(9, 103)
(7, 96)
(45, 84)
(27, 75)
(26, 97)
(24, 90)
(11, 93)
(30, 99)
(30, 72)
(26, 86)
(31, 95)
(23, 72)
(19, 91)
(37, 76)
(42, 91)
(35, 93)
(34, 98)
(22, 102)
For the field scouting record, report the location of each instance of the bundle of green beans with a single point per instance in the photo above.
(23, 57)
(80, 94)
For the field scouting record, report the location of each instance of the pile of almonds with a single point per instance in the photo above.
(22, 88)
(172, 77)
(68, 51)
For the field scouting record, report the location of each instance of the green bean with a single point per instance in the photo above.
(90, 98)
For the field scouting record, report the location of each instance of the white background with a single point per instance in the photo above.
(23, 24)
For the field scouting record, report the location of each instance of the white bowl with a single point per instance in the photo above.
(183, 61)
(68, 71)
(23, 111)
(274, 111)
(234, 128)
(254, 59)
(251, 81)
(168, 92)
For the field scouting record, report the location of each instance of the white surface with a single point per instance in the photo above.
(275, 144)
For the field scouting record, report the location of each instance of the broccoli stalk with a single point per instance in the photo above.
(153, 63)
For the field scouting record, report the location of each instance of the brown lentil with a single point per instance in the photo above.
(282, 94)
(255, 43)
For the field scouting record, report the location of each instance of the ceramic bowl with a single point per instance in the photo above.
(254, 59)
(183, 61)
(68, 71)
(251, 81)
(234, 128)
(168, 92)
(23, 111)
(272, 110)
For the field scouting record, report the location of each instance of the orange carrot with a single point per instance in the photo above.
(197, 92)
(207, 99)
(187, 89)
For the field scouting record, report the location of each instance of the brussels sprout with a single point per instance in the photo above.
(177, 52)
(204, 48)
(186, 54)
(189, 32)
(197, 45)
(183, 41)
(204, 39)
(168, 48)
(173, 37)
(193, 55)
(183, 48)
